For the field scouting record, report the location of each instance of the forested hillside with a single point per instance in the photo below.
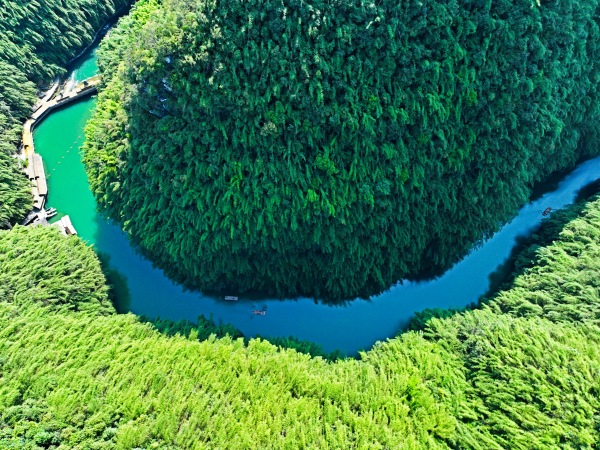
(36, 40)
(522, 373)
(40, 37)
(333, 148)
(17, 94)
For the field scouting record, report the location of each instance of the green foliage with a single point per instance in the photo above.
(205, 329)
(16, 92)
(493, 378)
(563, 285)
(523, 372)
(201, 330)
(422, 318)
(307, 347)
(16, 96)
(533, 384)
(36, 41)
(39, 38)
(332, 148)
(39, 265)
(15, 192)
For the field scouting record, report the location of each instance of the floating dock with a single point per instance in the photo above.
(65, 226)
(37, 177)
(34, 165)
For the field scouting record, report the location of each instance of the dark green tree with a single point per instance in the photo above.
(333, 148)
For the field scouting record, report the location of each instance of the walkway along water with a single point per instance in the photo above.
(145, 290)
(34, 167)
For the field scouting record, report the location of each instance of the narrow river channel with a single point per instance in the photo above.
(144, 290)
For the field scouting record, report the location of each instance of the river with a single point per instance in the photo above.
(354, 326)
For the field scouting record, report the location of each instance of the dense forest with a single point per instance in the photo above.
(520, 372)
(37, 39)
(332, 148)
(523, 372)
(17, 94)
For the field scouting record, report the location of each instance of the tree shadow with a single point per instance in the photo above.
(204, 328)
(118, 289)
(524, 254)
(522, 257)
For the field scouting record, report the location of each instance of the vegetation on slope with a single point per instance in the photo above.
(332, 148)
(203, 328)
(16, 96)
(15, 191)
(492, 378)
(38, 265)
(41, 37)
(36, 40)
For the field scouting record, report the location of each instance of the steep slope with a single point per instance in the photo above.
(333, 148)
(484, 379)
(36, 40)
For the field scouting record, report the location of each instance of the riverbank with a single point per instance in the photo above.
(143, 290)
(99, 35)
(33, 164)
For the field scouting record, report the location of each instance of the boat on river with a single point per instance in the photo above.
(259, 312)
(547, 211)
(149, 292)
(50, 212)
(231, 298)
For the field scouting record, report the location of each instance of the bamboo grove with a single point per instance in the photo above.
(332, 148)
(522, 372)
(36, 40)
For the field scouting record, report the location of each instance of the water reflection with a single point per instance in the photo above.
(144, 290)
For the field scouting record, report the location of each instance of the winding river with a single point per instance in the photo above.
(354, 326)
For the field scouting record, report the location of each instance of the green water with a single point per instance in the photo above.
(58, 140)
(87, 65)
(356, 325)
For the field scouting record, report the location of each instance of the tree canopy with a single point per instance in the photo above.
(36, 40)
(332, 148)
(521, 373)
(40, 37)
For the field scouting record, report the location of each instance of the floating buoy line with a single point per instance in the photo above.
(66, 153)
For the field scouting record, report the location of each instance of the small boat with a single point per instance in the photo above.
(258, 312)
(231, 298)
(547, 211)
(50, 212)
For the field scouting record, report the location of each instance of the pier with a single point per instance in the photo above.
(80, 90)
(65, 226)
(33, 164)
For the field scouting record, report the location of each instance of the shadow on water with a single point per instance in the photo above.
(549, 184)
(521, 258)
(588, 191)
(523, 255)
(87, 54)
(204, 328)
(119, 292)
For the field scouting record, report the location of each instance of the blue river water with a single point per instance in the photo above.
(351, 327)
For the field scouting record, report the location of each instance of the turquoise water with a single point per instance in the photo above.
(87, 66)
(142, 289)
